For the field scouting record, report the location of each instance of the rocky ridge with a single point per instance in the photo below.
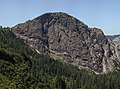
(68, 38)
(115, 38)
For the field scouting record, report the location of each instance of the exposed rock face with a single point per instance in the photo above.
(70, 39)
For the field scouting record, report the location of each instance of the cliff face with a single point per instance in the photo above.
(68, 38)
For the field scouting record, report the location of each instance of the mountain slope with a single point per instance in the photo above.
(21, 67)
(68, 38)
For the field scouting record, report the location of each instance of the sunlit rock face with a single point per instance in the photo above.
(68, 38)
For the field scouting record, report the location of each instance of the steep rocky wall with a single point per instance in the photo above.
(70, 39)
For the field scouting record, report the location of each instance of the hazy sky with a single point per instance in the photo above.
(104, 14)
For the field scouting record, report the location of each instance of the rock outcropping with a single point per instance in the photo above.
(66, 37)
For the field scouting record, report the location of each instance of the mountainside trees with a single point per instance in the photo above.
(23, 68)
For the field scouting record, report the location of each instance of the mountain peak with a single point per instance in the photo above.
(61, 17)
(68, 38)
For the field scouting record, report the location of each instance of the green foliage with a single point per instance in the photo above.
(31, 70)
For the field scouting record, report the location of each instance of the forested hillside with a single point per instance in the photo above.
(23, 68)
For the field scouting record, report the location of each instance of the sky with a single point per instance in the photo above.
(103, 14)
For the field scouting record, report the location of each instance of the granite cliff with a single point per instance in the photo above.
(64, 36)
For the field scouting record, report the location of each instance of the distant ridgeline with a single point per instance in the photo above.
(1, 27)
(25, 65)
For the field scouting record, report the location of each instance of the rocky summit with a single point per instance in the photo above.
(67, 38)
